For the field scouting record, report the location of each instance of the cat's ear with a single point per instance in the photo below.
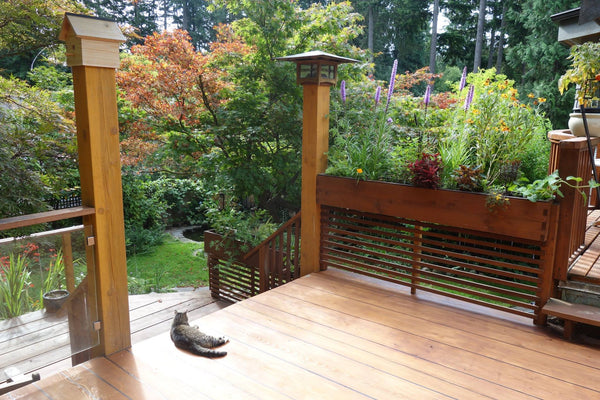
(175, 312)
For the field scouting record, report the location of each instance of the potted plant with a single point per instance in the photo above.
(53, 296)
(585, 75)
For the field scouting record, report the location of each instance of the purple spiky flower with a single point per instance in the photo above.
(377, 95)
(392, 82)
(463, 80)
(343, 91)
(427, 96)
(469, 97)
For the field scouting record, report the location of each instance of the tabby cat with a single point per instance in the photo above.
(190, 338)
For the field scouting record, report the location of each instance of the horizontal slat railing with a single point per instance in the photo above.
(478, 267)
(235, 277)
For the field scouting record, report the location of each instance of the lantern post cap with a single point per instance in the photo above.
(87, 27)
(317, 55)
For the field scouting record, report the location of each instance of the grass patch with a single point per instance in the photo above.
(169, 265)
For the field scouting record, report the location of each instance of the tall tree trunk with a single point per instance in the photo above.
(370, 28)
(165, 14)
(434, 26)
(480, 32)
(500, 54)
(186, 17)
(490, 61)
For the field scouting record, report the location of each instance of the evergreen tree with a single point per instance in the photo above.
(399, 30)
(535, 58)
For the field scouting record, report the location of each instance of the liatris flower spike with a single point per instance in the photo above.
(392, 82)
(343, 91)
(463, 80)
(469, 97)
(377, 94)
(427, 95)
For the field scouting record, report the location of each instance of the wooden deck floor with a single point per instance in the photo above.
(587, 267)
(337, 335)
(39, 342)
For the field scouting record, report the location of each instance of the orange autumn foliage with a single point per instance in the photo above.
(174, 86)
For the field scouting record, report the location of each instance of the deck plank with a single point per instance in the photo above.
(516, 362)
(335, 334)
(586, 268)
(39, 342)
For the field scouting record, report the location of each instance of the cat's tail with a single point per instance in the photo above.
(204, 352)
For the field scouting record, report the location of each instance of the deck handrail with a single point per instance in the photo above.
(282, 228)
(275, 261)
(570, 156)
(22, 221)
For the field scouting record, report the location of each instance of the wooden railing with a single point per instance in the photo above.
(570, 156)
(236, 276)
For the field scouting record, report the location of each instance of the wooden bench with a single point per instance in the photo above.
(572, 313)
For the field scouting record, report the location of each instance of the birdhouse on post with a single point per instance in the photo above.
(316, 71)
(93, 54)
(91, 41)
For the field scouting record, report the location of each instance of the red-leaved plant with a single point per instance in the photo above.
(425, 171)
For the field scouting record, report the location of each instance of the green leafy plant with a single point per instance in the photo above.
(54, 276)
(14, 284)
(362, 135)
(584, 72)
(549, 187)
(250, 228)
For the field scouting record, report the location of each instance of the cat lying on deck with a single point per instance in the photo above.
(190, 338)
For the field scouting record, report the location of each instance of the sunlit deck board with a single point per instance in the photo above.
(587, 267)
(338, 335)
(40, 339)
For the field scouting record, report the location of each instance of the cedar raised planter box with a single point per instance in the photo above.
(442, 241)
(521, 219)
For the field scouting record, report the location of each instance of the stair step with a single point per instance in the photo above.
(571, 312)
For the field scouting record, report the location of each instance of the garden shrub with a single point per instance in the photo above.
(185, 200)
(145, 214)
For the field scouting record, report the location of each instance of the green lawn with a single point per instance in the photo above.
(172, 264)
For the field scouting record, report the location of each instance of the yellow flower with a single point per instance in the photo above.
(476, 111)
(531, 95)
(490, 91)
(359, 170)
(504, 96)
(501, 87)
(470, 121)
(541, 99)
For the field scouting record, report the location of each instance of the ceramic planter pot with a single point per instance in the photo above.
(54, 299)
(576, 124)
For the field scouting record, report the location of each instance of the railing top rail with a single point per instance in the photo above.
(283, 227)
(22, 221)
(53, 232)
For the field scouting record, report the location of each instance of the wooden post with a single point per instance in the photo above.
(315, 143)
(316, 71)
(93, 53)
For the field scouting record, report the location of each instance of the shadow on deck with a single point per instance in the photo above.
(335, 334)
